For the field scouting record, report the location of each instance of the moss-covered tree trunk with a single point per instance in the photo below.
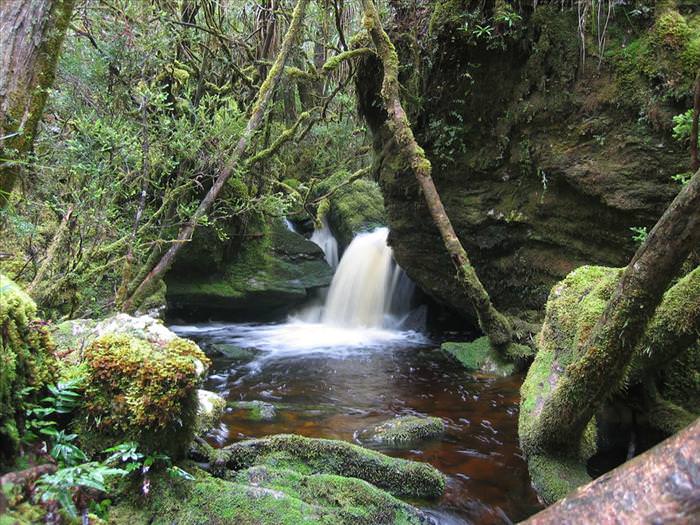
(694, 159)
(607, 352)
(659, 486)
(493, 323)
(31, 34)
(262, 101)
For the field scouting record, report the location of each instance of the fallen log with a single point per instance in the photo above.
(660, 486)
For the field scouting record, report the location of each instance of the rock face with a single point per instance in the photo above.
(479, 356)
(542, 166)
(269, 276)
(404, 431)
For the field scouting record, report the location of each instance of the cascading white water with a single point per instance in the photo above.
(325, 240)
(363, 286)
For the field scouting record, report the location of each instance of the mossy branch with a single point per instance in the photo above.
(335, 61)
(284, 137)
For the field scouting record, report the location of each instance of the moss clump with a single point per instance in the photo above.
(142, 391)
(26, 360)
(265, 495)
(323, 456)
(405, 430)
(479, 355)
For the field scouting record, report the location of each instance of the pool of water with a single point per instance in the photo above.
(329, 384)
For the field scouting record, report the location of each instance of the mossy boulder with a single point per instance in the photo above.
(270, 274)
(265, 495)
(353, 208)
(404, 431)
(26, 362)
(399, 477)
(140, 390)
(479, 356)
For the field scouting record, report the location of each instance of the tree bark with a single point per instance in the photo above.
(31, 35)
(608, 350)
(694, 160)
(660, 486)
(262, 101)
(493, 323)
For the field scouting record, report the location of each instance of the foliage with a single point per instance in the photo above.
(639, 234)
(683, 123)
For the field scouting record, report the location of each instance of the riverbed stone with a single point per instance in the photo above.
(479, 355)
(256, 410)
(404, 430)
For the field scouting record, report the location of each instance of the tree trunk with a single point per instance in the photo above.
(31, 34)
(659, 486)
(50, 253)
(260, 105)
(607, 352)
(694, 160)
(493, 323)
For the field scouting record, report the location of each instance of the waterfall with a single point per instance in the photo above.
(368, 289)
(325, 240)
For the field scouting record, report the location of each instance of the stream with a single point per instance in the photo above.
(350, 361)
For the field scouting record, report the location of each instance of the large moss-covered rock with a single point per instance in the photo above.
(528, 148)
(140, 388)
(404, 431)
(324, 456)
(26, 362)
(353, 208)
(266, 495)
(268, 275)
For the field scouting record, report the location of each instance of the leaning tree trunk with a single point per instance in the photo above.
(694, 159)
(493, 323)
(31, 34)
(607, 352)
(262, 101)
(659, 486)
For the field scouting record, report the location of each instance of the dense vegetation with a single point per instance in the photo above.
(537, 165)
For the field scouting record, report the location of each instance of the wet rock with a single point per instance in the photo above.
(404, 430)
(478, 355)
(257, 410)
(266, 278)
(231, 351)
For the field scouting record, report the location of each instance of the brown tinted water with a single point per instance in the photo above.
(335, 393)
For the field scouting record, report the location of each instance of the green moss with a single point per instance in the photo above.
(353, 208)
(265, 496)
(141, 391)
(554, 478)
(256, 410)
(322, 456)
(272, 270)
(405, 430)
(26, 360)
(479, 355)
